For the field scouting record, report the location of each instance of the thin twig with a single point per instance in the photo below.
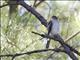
(72, 36)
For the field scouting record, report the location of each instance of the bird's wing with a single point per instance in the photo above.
(49, 27)
(49, 30)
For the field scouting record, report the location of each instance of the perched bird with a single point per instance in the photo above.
(53, 31)
(53, 28)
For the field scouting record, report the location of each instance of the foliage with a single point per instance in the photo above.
(16, 33)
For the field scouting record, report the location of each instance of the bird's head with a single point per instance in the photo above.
(55, 17)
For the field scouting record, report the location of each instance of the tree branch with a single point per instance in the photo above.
(34, 12)
(72, 36)
(32, 52)
(44, 22)
(30, 9)
(63, 44)
(37, 4)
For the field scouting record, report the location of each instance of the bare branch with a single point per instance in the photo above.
(72, 36)
(63, 44)
(32, 52)
(34, 12)
(37, 4)
(44, 22)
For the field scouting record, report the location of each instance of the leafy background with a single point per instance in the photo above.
(16, 36)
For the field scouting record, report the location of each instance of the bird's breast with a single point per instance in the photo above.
(55, 28)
